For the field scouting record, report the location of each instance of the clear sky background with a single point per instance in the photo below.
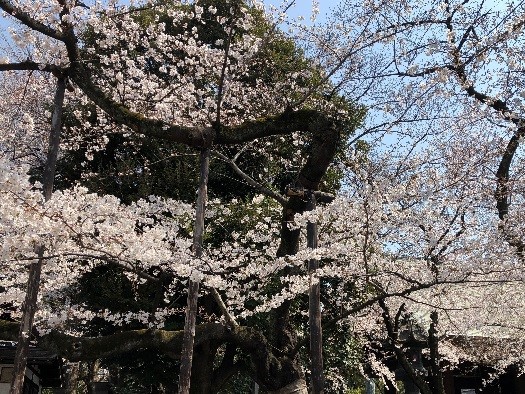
(304, 7)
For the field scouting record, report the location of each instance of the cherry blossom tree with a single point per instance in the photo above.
(443, 85)
(422, 224)
(201, 97)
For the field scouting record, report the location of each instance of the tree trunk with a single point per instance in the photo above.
(436, 374)
(29, 306)
(193, 287)
(314, 307)
(297, 387)
(72, 373)
(93, 368)
(202, 368)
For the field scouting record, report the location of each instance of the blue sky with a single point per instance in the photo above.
(301, 7)
(304, 7)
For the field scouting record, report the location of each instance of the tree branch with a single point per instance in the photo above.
(256, 185)
(400, 355)
(27, 20)
(76, 348)
(230, 320)
(31, 66)
(249, 340)
(281, 124)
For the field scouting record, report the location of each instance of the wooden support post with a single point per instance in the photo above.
(29, 306)
(193, 287)
(314, 307)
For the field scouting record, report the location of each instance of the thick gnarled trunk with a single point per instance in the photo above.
(297, 387)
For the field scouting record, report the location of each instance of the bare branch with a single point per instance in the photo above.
(257, 186)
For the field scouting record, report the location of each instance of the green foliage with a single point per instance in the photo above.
(143, 372)
(345, 355)
(132, 171)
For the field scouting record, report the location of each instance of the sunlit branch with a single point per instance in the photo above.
(30, 22)
(230, 320)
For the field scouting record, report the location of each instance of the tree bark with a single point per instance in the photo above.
(72, 375)
(272, 372)
(415, 378)
(29, 306)
(93, 368)
(314, 306)
(437, 375)
(193, 287)
(297, 387)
